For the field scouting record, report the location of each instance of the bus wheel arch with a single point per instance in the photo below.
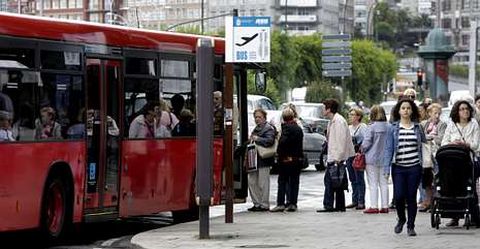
(57, 202)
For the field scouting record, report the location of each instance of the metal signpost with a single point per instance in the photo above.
(336, 57)
(205, 135)
(247, 39)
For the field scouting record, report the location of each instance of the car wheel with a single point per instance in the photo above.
(321, 166)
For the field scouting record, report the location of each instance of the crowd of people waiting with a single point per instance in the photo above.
(402, 148)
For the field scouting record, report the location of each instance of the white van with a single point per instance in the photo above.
(460, 95)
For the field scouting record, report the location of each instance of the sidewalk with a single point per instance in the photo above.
(308, 229)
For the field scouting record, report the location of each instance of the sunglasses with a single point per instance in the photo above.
(411, 96)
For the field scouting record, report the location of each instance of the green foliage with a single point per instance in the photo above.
(283, 63)
(318, 91)
(309, 50)
(372, 66)
(271, 91)
(461, 70)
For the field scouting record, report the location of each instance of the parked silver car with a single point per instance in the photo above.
(313, 125)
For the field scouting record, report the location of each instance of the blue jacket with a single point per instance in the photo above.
(374, 143)
(391, 144)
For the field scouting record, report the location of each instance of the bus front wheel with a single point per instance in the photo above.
(54, 209)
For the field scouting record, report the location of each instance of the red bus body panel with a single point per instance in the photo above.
(157, 175)
(25, 167)
(92, 33)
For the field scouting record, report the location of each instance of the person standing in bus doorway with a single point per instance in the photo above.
(217, 112)
(143, 126)
(403, 157)
(259, 181)
(5, 127)
(290, 161)
(47, 127)
(340, 148)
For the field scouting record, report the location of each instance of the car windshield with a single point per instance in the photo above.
(308, 111)
(445, 116)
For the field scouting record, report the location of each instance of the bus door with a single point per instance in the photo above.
(103, 140)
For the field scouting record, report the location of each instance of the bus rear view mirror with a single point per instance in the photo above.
(260, 82)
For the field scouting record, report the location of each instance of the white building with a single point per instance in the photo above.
(363, 13)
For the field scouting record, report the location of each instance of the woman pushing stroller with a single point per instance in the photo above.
(463, 130)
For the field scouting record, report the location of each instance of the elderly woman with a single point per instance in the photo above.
(290, 156)
(434, 129)
(463, 130)
(259, 181)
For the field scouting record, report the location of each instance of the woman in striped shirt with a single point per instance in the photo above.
(403, 157)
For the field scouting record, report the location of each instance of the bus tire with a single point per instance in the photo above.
(56, 212)
(181, 216)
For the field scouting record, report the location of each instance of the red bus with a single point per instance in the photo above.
(80, 141)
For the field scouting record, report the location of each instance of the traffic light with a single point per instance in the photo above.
(419, 77)
(433, 8)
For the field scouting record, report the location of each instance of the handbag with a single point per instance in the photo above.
(250, 161)
(338, 175)
(359, 161)
(267, 152)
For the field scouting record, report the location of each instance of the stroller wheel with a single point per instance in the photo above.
(437, 221)
(467, 221)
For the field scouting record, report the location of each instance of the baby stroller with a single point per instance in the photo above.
(454, 185)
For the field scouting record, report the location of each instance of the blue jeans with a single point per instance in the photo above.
(331, 194)
(405, 184)
(288, 184)
(357, 179)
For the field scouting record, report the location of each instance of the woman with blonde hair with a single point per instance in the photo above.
(434, 129)
(373, 145)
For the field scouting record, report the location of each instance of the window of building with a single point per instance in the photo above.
(446, 23)
(465, 40)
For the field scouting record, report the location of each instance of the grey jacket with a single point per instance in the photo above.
(266, 137)
(374, 143)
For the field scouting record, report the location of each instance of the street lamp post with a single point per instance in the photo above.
(286, 14)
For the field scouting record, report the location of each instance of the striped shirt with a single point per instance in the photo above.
(407, 153)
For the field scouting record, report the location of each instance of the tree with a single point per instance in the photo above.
(320, 90)
(309, 54)
(283, 61)
(372, 66)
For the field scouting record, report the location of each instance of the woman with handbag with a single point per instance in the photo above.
(463, 130)
(434, 129)
(374, 145)
(403, 157)
(259, 181)
(290, 160)
(356, 177)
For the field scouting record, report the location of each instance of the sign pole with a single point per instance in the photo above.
(204, 149)
(228, 143)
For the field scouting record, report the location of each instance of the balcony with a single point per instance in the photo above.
(298, 18)
(298, 3)
(301, 32)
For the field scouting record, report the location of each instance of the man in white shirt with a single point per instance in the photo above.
(340, 148)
